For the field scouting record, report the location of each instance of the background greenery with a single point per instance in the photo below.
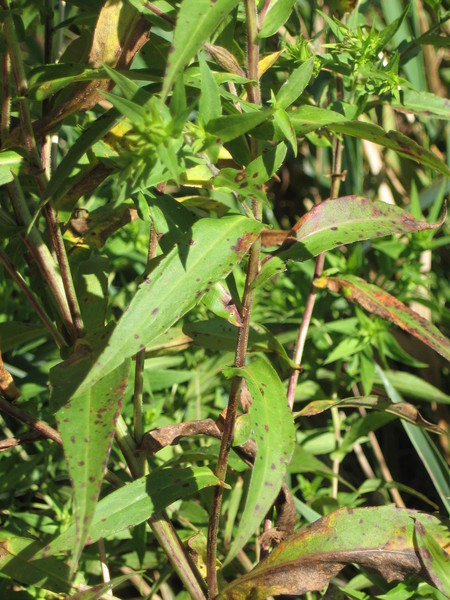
(152, 150)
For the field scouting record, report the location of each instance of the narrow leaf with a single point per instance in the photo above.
(273, 425)
(86, 423)
(382, 304)
(178, 282)
(294, 86)
(275, 17)
(135, 503)
(392, 139)
(379, 539)
(197, 19)
(47, 574)
(10, 163)
(210, 106)
(232, 126)
(434, 558)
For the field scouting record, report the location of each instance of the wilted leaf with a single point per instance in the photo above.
(403, 410)
(379, 539)
(273, 426)
(382, 304)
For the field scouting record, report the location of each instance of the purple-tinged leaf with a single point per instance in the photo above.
(379, 539)
(382, 304)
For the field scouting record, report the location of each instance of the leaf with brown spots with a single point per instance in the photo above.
(182, 277)
(86, 423)
(394, 140)
(134, 503)
(382, 304)
(344, 220)
(379, 539)
(403, 410)
(273, 425)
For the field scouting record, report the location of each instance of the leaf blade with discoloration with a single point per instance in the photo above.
(273, 425)
(136, 502)
(382, 304)
(86, 423)
(380, 539)
(181, 278)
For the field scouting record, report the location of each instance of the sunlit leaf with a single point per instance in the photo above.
(273, 425)
(135, 503)
(275, 17)
(86, 423)
(379, 539)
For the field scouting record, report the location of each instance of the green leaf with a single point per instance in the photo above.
(281, 119)
(294, 86)
(196, 20)
(47, 574)
(86, 423)
(380, 539)
(378, 302)
(218, 300)
(431, 458)
(135, 503)
(266, 164)
(395, 140)
(178, 282)
(434, 558)
(414, 387)
(273, 426)
(210, 106)
(275, 17)
(346, 220)
(13, 334)
(425, 104)
(10, 165)
(232, 126)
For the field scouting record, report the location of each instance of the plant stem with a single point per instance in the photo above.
(32, 299)
(320, 260)
(76, 325)
(243, 332)
(161, 526)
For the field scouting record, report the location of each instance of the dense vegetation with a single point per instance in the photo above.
(223, 278)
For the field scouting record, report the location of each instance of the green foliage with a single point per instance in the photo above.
(223, 277)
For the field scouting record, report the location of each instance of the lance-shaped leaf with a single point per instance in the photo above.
(181, 278)
(382, 304)
(196, 20)
(379, 539)
(345, 220)
(273, 426)
(434, 558)
(47, 574)
(392, 139)
(86, 424)
(135, 503)
(402, 410)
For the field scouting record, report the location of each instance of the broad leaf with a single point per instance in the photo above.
(86, 424)
(135, 503)
(382, 304)
(379, 539)
(178, 282)
(196, 20)
(273, 426)
(10, 165)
